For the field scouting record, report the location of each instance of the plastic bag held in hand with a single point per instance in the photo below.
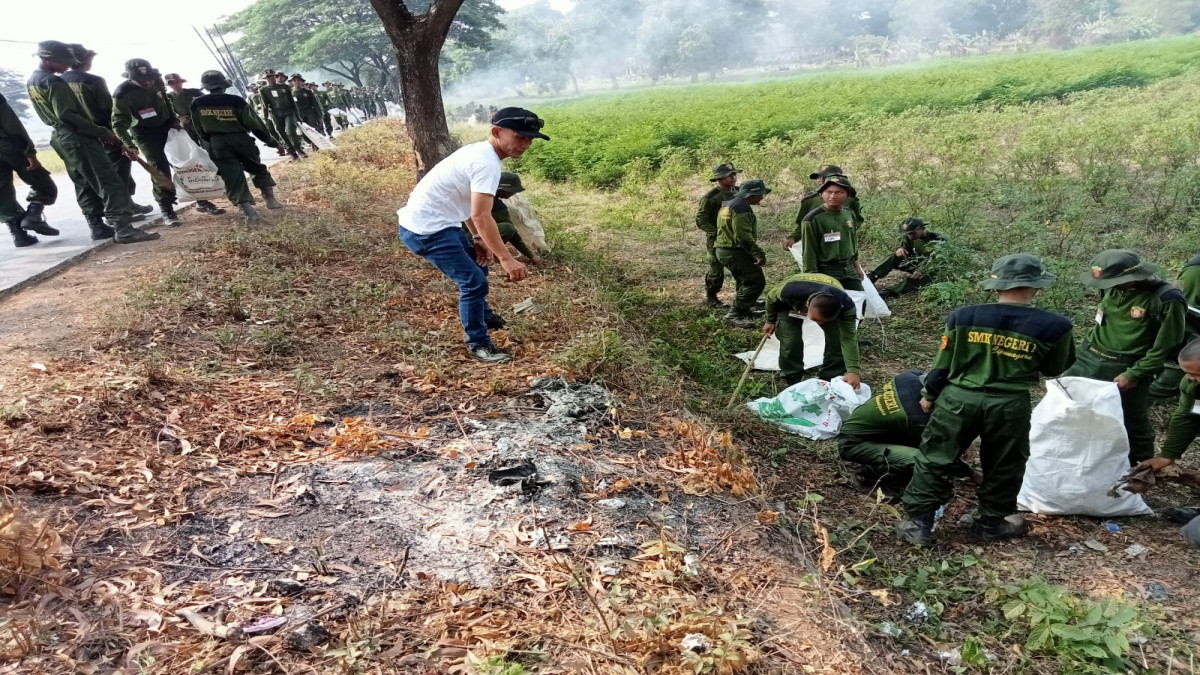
(813, 408)
(195, 173)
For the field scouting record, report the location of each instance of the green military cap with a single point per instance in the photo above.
(261, 83)
(1117, 266)
(840, 181)
(753, 187)
(912, 225)
(268, 72)
(825, 171)
(1017, 270)
(56, 51)
(721, 171)
(138, 69)
(297, 76)
(80, 52)
(214, 79)
(510, 182)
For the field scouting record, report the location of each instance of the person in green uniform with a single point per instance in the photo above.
(141, 118)
(813, 199)
(18, 157)
(308, 108)
(93, 93)
(1166, 385)
(80, 143)
(822, 300)
(1183, 427)
(917, 243)
(323, 95)
(829, 235)
(883, 434)
(990, 357)
(225, 122)
(259, 107)
(1139, 325)
(281, 108)
(181, 98)
(725, 176)
(738, 250)
(510, 184)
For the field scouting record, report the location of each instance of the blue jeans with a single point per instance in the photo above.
(453, 253)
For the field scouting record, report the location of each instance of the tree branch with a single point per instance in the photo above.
(441, 15)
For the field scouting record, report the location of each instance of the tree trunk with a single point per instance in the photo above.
(418, 41)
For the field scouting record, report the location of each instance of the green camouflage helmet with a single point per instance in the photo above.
(753, 187)
(825, 171)
(912, 225)
(722, 171)
(1117, 266)
(59, 52)
(510, 182)
(1017, 270)
(840, 181)
(214, 79)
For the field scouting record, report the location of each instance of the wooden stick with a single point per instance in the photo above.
(158, 176)
(745, 373)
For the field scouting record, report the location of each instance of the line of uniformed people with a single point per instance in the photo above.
(909, 439)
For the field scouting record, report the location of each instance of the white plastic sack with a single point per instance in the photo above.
(813, 408)
(195, 174)
(527, 223)
(814, 342)
(874, 308)
(316, 137)
(1077, 451)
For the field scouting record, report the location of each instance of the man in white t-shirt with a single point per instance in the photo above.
(460, 189)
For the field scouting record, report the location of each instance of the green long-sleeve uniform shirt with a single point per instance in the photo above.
(141, 109)
(13, 136)
(277, 98)
(737, 227)
(918, 251)
(710, 206)
(227, 114)
(813, 200)
(57, 106)
(792, 296)
(307, 103)
(1146, 323)
(1001, 347)
(893, 415)
(830, 242)
(181, 101)
(1188, 283)
(1185, 422)
(92, 91)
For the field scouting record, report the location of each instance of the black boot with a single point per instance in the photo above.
(995, 528)
(169, 217)
(21, 238)
(917, 529)
(140, 209)
(126, 233)
(1181, 514)
(740, 318)
(100, 231)
(496, 322)
(293, 154)
(34, 221)
(250, 214)
(715, 302)
(205, 206)
(268, 194)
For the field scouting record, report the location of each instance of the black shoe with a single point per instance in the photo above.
(250, 214)
(887, 294)
(757, 311)
(128, 234)
(303, 154)
(269, 196)
(872, 277)
(138, 208)
(1181, 514)
(992, 528)
(100, 231)
(490, 353)
(715, 302)
(917, 530)
(205, 206)
(169, 217)
(863, 342)
(21, 238)
(740, 319)
(34, 221)
(496, 322)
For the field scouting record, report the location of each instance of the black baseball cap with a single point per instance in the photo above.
(520, 120)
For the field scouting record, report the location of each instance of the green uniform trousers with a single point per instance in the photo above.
(328, 124)
(1001, 423)
(908, 284)
(749, 276)
(1135, 404)
(98, 188)
(42, 189)
(522, 248)
(234, 154)
(790, 332)
(123, 165)
(285, 127)
(847, 276)
(1166, 386)
(714, 278)
(152, 143)
(891, 464)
